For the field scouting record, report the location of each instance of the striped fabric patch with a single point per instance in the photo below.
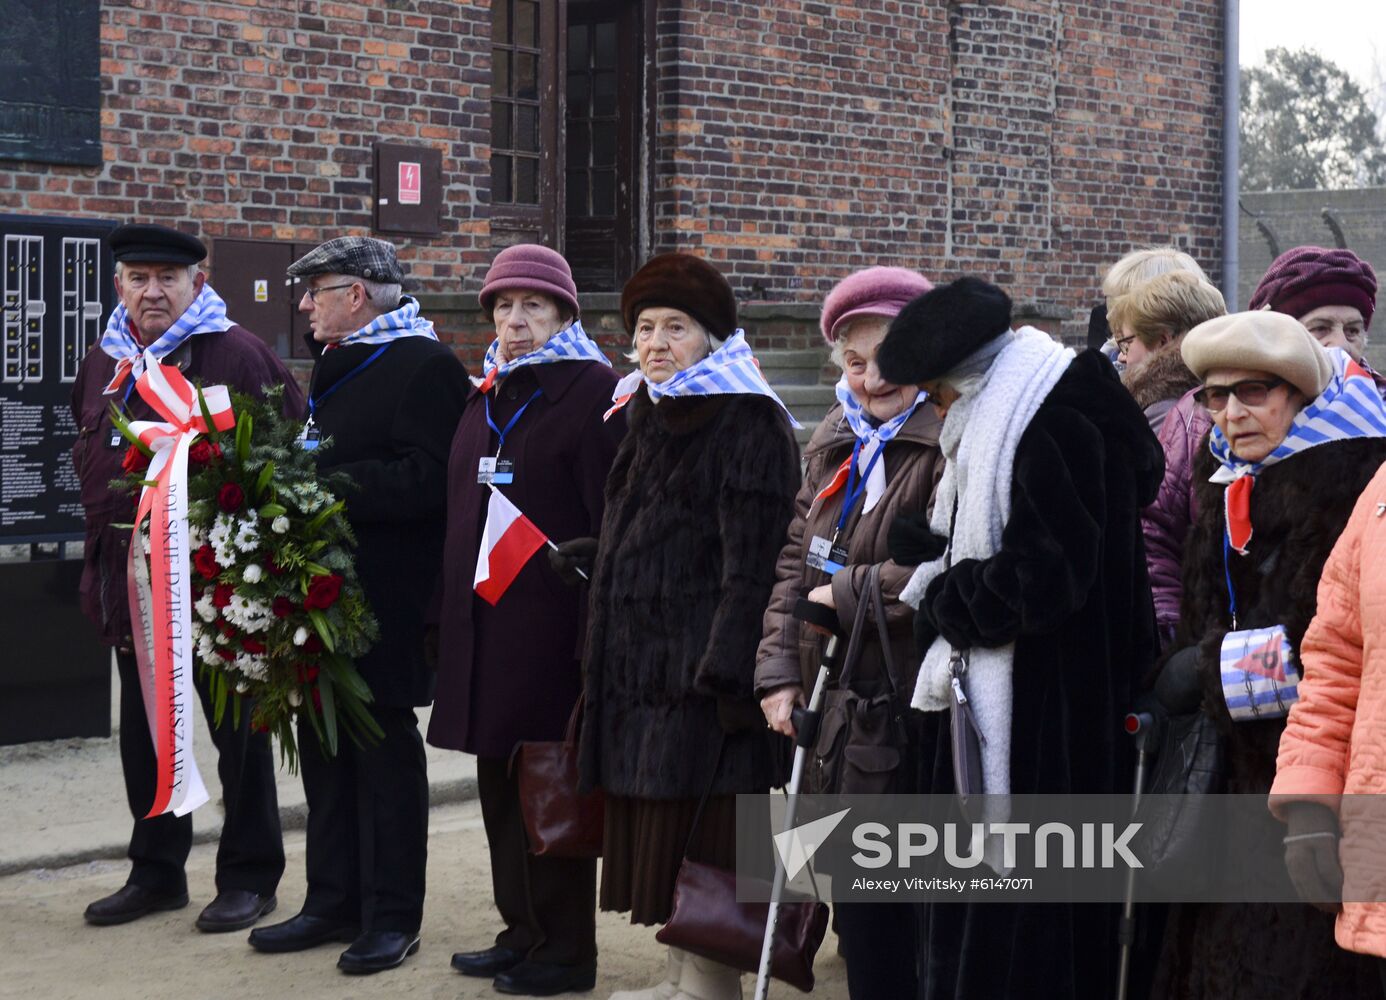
(402, 322)
(730, 370)
(569, 344)
(1260, 679)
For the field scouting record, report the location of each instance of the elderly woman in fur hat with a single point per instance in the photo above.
(1033, 572)
(1151, 322)
(697, 504)
(874, 456)
(1298, 433)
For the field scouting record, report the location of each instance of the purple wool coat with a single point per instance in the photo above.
(513, 672)
(237, 359)
(1166, 522)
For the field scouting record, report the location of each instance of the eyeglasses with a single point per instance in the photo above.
(1250, 392)
(1124, 344)
(313, 293)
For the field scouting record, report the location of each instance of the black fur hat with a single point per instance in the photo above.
(940, 328)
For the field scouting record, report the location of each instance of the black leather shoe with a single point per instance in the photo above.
(544, 979)
(234, 910)
(131, 903)
(486, 963)
(300, 933)
(376, 951)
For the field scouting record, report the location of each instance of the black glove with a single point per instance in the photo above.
(1178, 688)
(911, 542)
(572, 556)
(1311, 855)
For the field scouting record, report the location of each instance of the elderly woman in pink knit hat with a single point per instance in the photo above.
(875, 456)
(508, 662)
(1331, 291)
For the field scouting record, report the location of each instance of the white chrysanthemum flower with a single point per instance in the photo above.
(221, 540)
(206, 646)
(241, 686)
(247, 534)
(251, 616)
(196, 537)
(252, 665)
(221, 639)
(300, 636)
(204, 607)
(252, 573)
(280, 525)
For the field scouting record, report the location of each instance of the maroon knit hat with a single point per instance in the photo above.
(876, 291)
(1305, 278)
(529, 265)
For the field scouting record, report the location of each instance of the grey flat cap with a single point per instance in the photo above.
(356, 256)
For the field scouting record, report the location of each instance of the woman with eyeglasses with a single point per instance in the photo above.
(1151, 322)
(1298, 431)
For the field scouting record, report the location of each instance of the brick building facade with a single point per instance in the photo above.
(1030, 141)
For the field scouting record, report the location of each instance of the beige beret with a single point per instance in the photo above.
(1262, 341)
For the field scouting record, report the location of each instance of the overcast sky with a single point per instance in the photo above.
(1348, 32)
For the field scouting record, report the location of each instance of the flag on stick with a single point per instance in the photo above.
(507, 542)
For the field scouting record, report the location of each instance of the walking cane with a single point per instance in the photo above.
(805, 735)
(1140, 725)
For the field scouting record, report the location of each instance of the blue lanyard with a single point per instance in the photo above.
(1227, 572)
(500, 434)
(315, 401)
(855, 486)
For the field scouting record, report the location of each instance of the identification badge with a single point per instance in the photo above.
(310, 438)
(117, 440)
(1260, 679)
(824, 555)
(500, 471)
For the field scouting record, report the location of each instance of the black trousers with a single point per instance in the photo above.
(250, 854)
(549, 905)
(880, 946)
(368, 825)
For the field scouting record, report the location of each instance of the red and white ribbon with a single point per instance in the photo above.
(161, 592)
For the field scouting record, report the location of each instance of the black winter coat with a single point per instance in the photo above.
(1299, 507)
(1069, 587)
(391, 426)
(697, 507)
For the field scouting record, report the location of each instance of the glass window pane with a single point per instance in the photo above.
(500, 72)
(604, 192)
(606, 46)
(604, 94)
(527, 77)
(527, 128)
(526, 181)
(603, 144)
(577, 96)
(527, 23)
(577, 47)
(500, 125)
(577, 145)
(500, 21)
(577, 192)
(500, 179)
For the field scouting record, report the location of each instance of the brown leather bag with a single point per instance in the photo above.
(559, 822)
(707, 919)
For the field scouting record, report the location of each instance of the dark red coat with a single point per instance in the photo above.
(237, 359)
(512, 672)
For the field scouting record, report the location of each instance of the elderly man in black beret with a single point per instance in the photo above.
(383, 403)
(169, 314)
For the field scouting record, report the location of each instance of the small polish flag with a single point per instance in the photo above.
(507, 542)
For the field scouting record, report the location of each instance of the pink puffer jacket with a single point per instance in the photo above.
(1335, 739)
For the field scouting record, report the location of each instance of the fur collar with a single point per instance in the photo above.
(1161, 377)
(676, 415)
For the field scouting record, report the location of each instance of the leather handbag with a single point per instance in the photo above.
(707, 920)
(862, 737)
(559, 821)
(1176, 825)
(965, 734)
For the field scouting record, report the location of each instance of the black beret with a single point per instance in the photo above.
(681, 281)
(144, 243)
(938, 330)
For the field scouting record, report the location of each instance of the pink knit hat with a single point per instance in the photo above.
(876, 291)
(1306, 278)
(529, 265)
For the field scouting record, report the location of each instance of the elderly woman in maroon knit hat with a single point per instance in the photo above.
(1331, 291)
(874, 456)
(508, 671)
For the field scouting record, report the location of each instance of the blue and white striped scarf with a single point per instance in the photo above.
(1349, 407)
(729, 370)
(206, 314)
(404, 321)
(569, 344)
(872, 438)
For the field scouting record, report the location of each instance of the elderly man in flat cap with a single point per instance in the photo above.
(383, 403)
(169, 314)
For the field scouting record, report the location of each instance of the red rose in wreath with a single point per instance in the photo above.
(200, 452)
(282, 607)
(230, 498)
(323, 592)
(222, 594)
(205, 562)
(252, 646)
(134, 460)
(313, 645)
